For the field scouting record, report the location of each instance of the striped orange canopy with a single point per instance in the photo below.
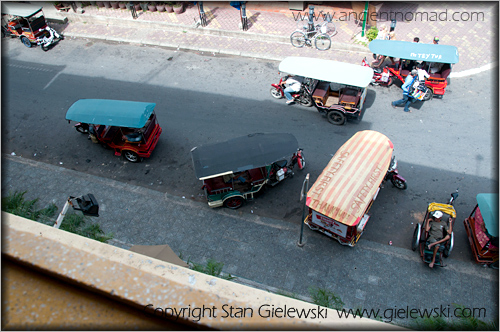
(348, 183)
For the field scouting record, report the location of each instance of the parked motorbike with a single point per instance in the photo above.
(302, 97)
(381, 76)
(82, 127)
(282, 169)
(392, 174)
(49, 37)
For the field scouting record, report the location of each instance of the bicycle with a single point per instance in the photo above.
(322, 41)
(328, 26)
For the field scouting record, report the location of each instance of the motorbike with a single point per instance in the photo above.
(82, 127)
(49, 37)
(392, 174)
(381, 76)
(283, 169)
(303, 96)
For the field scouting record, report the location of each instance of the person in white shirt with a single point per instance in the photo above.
(292, 85)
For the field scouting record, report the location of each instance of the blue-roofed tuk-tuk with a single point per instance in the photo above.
(482, 230)
(130, 128)
(437, 60)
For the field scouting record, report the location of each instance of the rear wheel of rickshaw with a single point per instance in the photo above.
(26, 41)
(305, 100)
(323, 42)
(233, 202)
(131, 156)
(298, 39)
(399, 184)
(416, 237)
(494, 265)
(428, 95)
(336, 117)
(449, 246)
(276, 93)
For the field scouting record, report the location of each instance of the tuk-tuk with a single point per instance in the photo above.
(130, 128)
(27, 22)
(235, 170)
(437, 60)
(482, 230)
(337, 89)
(421, 235)
(342, 195)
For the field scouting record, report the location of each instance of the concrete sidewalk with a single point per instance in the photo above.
(262, 252)
(270, 26)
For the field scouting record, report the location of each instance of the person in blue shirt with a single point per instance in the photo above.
(407, 100)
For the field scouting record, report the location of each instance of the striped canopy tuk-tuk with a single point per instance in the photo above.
(342, 195)
(437, 60)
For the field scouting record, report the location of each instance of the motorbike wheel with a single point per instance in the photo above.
(276, 93)
(389, 82)
(416, 237)
(26, 42)
(131, 156)
(302, 163)
(233, 202)
(306, 100)
(399, 184)
(298, 39)
(336, 117)
(45, 48)
(428, 95)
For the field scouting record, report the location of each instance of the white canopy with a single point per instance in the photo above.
(20, 9)
(328, 70)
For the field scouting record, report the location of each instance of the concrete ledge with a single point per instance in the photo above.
(150, 285)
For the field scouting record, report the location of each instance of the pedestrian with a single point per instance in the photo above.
(435, 40)
(416, 40)
(382, 32)
(407, 86)
(391, 36)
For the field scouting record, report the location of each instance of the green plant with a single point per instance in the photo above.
(372, 33)
(212, 268)
(326, 298)
(15, 203)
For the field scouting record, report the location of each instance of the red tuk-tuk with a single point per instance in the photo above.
(27, 22)
(129, 128)
(482, 230)
(437, 61)
(342, 195)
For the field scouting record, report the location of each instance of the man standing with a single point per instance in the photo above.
(435, 227)
(407, 100)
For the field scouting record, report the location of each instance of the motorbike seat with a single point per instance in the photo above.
(378, 70)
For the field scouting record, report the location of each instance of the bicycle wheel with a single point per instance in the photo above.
(322, 42)
(298, 39)
(329, 28)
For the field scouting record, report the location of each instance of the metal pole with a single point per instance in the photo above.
(62, 214)
(203, 17)
(305, 185)
(310, 25)
(365, 14)
(244, 21)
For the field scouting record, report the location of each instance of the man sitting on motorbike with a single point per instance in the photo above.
(434, 227)
(292, 85)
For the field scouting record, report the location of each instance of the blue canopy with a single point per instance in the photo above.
(415, 51)
(488, 205)
(119, 113)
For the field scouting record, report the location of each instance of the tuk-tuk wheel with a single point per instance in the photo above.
(26, 41)
(306, 100)
(428, 95)
(233, 202)
(131, 156)
(494, 265)
(45, 48)
(336, 117)
(416, 237)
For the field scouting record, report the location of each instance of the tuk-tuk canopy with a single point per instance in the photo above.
(488, 205)
(347, 185)
(328, 70)
(119, 113)
(415, 51)
(20, 9)
(241, 154)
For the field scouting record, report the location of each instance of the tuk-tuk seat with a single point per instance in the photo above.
(256, 176)
(405, 72)
(321, 92)
(216, 186)
(350, 96)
